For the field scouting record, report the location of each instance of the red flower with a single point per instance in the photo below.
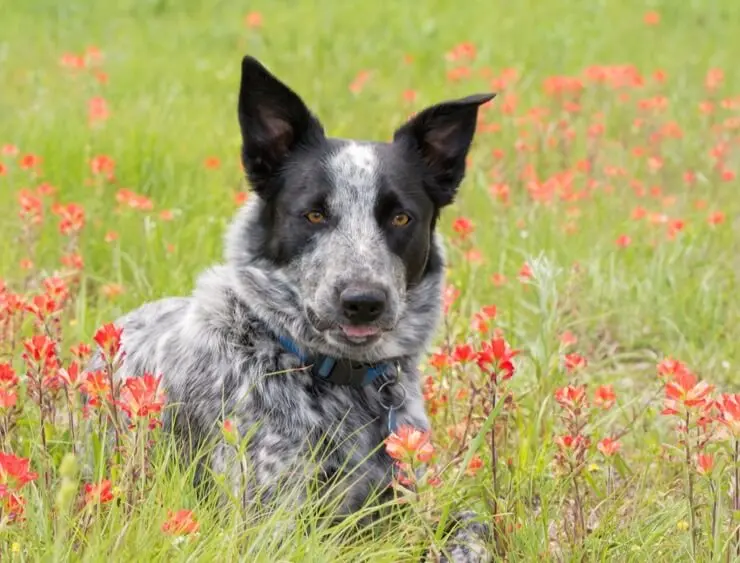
(685, 390)
(180, 523)
(407, 441)
(605, 397)
(572, 397)
(449, 295)
(475, 464)
(212, 162)
(103, 165)
(670, 367)
(704, 464)
(623, 241)
(14, 472)
(440, 360)
(8, 377)
(525, 272)
(72, 218)
(97, 110)
(40, 354)
(608, 447)
(574, 362)
(568, 442)
(8, 398)
(495, 358)
(98, 493)
(463, 227)
(253, 20)
(729, 413)
(142, 396)
(568, 338)
(71, 375)
(463, 354)
(81, 351)
(97, 388)
(108, 337)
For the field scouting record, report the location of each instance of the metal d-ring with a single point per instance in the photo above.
(392, 408)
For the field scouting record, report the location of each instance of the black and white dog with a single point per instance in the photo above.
(312, 329)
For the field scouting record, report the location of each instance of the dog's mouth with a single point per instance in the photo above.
(358, 335)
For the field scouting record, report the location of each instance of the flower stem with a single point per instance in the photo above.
(690, 476)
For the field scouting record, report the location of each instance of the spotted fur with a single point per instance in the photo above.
(218, 349)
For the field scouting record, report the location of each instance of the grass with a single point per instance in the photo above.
(172, 75)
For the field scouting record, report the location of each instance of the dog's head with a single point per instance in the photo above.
(338, 247)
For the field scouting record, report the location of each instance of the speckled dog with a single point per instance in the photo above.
(311, 330)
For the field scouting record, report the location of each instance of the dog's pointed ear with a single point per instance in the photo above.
(441, 135)
(274, 121)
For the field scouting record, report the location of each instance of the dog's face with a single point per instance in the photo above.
(348, 225)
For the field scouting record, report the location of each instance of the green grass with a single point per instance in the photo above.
(172, 72)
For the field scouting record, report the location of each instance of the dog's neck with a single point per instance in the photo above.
(264, 290)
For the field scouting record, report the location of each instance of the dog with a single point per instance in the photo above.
(311, 330)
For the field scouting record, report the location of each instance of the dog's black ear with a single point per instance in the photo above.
(274, 121)
(442, 135)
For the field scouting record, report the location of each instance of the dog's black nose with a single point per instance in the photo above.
(362, 305)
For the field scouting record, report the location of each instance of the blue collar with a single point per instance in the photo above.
(339, 371)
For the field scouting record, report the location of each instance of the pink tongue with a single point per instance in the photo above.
(359, 331)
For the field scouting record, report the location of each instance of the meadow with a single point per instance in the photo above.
(584, 389)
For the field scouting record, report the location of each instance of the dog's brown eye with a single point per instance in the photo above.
(401, 220)
(315, 217)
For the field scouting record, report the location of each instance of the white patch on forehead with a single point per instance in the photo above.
(354, 173)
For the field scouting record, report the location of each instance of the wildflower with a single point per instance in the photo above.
(108, 337)
(440, 360)
(495, 358)
(97, 388)
(407, 441)
(474, 465)
(608, 446)
(572, 397)
(240, 198)
(716, 218)
(103, 165)
(97, 110)
(110, 236)
(8, 398)
(623, 241)
(14, 472)
(180, 523)
(569, 442)
(605, 397)
(229, 432)
(651, 18)
(574, 362)
(212, 162)
(8, 377)
(98, 493)
(254, 20)
(71, 376)
(40, 354)
(704, 464)
(729, 413)
(525, 272)
(669, 367)
(463, 354)
(685, 390)
(142, 396)
(498, 279)
(71, 218)
(568, 338)
(463, 227)
(81, 351)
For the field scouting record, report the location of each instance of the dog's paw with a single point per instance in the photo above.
(469, 543)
